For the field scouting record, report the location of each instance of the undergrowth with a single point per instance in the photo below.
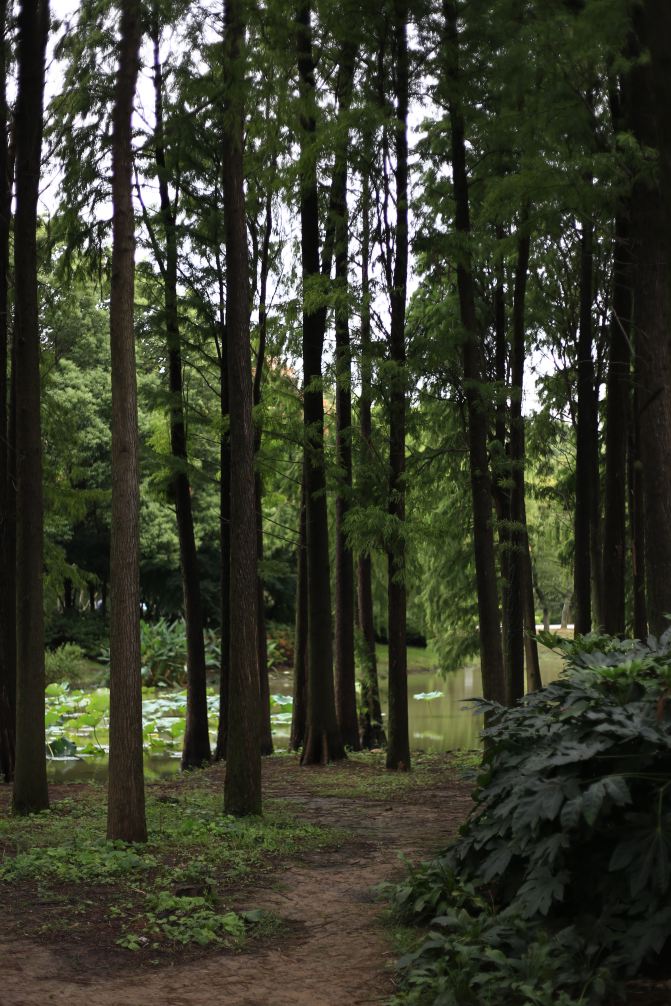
(175, 891)
(558, 888)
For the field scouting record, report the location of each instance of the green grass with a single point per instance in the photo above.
(370, 782)
(420, 658)
(176, 890)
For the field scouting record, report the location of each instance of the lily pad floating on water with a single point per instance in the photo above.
(428, 696)
(62, 749)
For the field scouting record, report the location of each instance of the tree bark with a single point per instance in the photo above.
(262, 639)
(584, 476)
(372, 730)
(224, 541)
(398, 738)
(617, 436)
(7, 502)
(299, 708)
(519, 541)
(242, 793)
(651, 250)
(126, 803)
(196, 744)
(491, 654)
(323, 742)
(345, 675)
(30, 778)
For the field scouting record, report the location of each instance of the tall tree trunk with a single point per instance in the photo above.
(196, 745)
(323, 742)
(299, 708)
(7, 505)
(345, 674)
(398, 738)
(617, 436)
(261, 638)
(30, 779)
(224, 540)
(501, 490)
(651, 250)
(242, 793)
(126, 804)
(372, 730)
(584, 476)
(637, 521)
(491, 654)
(520, 580)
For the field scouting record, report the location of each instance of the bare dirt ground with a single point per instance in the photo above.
(333, 948)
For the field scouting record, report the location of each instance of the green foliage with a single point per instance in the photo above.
(182, 919)
(173, 891)
(89, 863)
(566, 861)
(89, 631)
(65, 663)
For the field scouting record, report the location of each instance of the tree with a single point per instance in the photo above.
(196, 749)
(323, 742)
(243, 767)
(345, 693)
(651, 251)
(7, 503)
(126, 806)
(398, 741)
(30, 780)
(491, 655)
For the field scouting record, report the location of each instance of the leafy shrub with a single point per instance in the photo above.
(280, 645)
(88, 630)
(569, 842)
(66, 663)
(163, 647)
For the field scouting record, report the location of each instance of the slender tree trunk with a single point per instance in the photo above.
(345, 674)
(372, 730)
(398, 738)
(225, 544)
(196, 745)
(637, 522)
(262, 639)
(582, 583)
(30, 779)
(323, 742)
(522, 614)
(491, 654)
(651, 250)
(617, 436)
(7, 505)
(126, 804)
(243, 766)
(519, 542)
(501, 491)
(299, 709)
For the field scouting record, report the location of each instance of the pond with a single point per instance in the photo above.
(77, 721)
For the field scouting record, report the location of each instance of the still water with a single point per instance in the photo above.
(441, 719)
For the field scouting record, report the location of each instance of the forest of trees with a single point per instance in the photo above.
(351, 316)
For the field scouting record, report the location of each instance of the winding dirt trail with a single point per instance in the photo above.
(334, 949)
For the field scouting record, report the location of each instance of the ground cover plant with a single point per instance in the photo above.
(183, 888)
(557, 890)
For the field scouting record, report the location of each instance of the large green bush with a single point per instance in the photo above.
(559, 885)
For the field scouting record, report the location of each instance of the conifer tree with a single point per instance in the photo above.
(30, 779)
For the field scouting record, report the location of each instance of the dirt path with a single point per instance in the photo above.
(333, 951)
